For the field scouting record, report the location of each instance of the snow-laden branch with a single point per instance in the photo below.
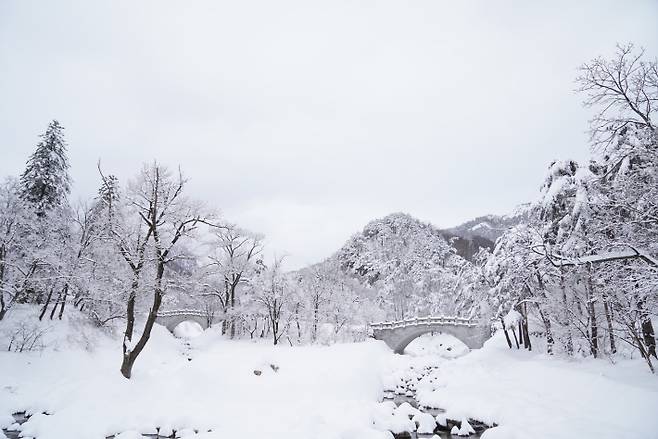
(609, 256)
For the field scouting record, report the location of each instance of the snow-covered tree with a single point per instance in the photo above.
(233, 260)
(273, 291)
(45, 182)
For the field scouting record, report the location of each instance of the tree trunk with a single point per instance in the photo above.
(608, 318)
(521, 334)
(648, 335)
(52, 312)
(509, 342)
(45, 305)
(549, 333)
(526, 333)
(567, 319)
(232, 321)
(126, 368)
(314, 334)
(130, 355)
(61, 307)
(274, 331)
(645, 354)
(516, 340)
(591, 314)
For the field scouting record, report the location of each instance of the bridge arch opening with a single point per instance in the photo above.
(438, 343)
(171, 319)
(188, 329)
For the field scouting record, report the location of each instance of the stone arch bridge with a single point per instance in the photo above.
(171, 319)
(398, 334)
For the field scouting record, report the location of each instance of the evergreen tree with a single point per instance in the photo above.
(45, 181)
(106, 202)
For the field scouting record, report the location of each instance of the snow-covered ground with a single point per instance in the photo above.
(315, 392)
(532, 395)
(319, 392)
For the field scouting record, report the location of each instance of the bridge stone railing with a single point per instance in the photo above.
(178, 312)
(440, 320)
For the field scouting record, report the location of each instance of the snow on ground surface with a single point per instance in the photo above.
(316, 392)
(532, 395)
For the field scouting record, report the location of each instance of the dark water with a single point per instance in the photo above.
(21, 417)
(409, 396)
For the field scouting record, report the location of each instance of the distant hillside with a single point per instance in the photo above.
(481, 232)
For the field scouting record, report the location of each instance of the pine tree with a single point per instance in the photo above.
(45, 181)
(107, 199)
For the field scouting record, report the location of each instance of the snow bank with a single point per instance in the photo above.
(533, 395)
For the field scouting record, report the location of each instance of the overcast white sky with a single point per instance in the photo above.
(304, 120)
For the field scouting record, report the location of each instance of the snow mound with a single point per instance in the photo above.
(425, 423)
(188, 329)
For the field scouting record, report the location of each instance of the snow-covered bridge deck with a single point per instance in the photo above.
(170, 319)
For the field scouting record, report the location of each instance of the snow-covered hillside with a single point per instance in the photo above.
(405, 266)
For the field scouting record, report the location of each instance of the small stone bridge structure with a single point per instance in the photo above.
(398, 334)
(171, 319)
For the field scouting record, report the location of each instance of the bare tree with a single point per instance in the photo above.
(273, 294)
(163, 216)
(235, 254)
(624, 89)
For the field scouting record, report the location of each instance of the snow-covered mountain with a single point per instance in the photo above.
(403, 267)
(410, 267)
(396, 246)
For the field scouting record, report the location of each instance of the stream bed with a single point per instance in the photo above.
(403, 395)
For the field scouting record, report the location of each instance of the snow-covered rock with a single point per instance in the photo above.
(407, 409)
(465, 429)
(425, 423)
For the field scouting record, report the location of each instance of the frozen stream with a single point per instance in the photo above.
(403, 395)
